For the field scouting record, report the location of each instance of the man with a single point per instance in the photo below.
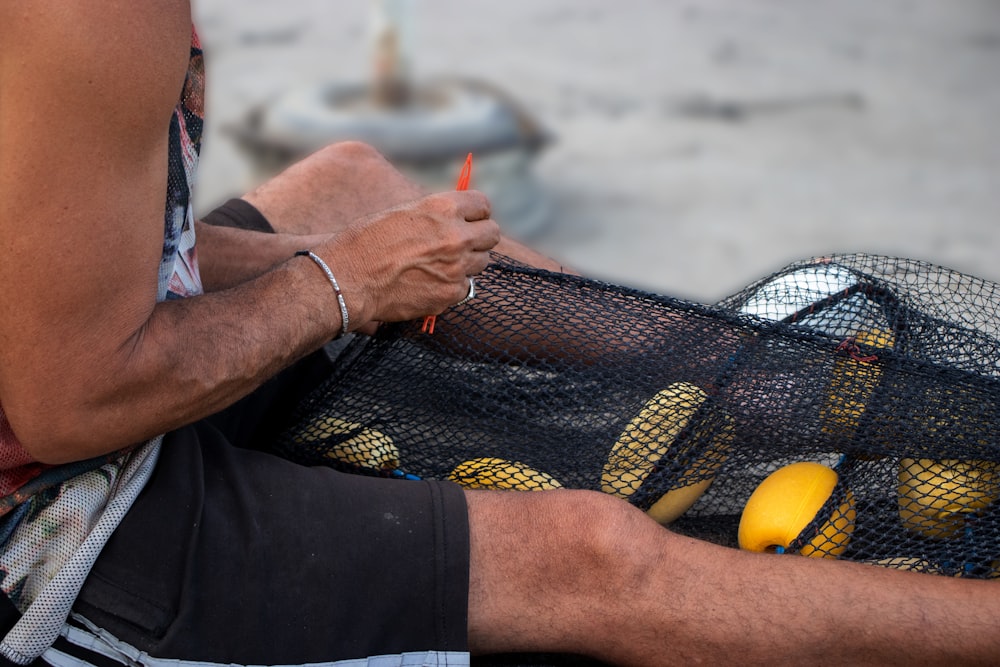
(115, 328)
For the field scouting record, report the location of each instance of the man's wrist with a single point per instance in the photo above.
(345, 318)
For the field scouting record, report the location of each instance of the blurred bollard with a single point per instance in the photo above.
(424, 128)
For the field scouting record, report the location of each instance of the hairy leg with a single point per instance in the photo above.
(324, 192)
(580, 572)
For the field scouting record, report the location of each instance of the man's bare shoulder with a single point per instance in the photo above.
(87, 94)
(91, 44)
(19, 14)
(70, 72)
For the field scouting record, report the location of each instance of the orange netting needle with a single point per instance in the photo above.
(465, 174)
(463, 184)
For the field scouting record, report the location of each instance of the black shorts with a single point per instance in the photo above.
(233, 555)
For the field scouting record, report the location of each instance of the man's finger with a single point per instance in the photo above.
(473, 205)
(485, 234)
(479, 262)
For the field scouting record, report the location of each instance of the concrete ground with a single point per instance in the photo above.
(699, 145)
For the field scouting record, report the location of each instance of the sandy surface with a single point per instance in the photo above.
(699, 145)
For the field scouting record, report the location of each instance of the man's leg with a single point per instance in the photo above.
(342, 182)
(232, 555)
(325, 191)
(580, 572)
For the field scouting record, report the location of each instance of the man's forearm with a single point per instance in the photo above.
(163, 377)
(228, 256)
(146, 368)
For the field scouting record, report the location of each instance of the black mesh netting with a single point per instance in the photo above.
(882, 371)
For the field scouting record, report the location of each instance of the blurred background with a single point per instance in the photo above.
(686, 148)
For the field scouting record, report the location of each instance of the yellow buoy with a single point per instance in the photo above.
(852, 385)
(936, 496)
(494, 473)
(786, 502)
(649, 436)
(365, 447)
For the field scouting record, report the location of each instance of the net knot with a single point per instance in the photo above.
(850, 346)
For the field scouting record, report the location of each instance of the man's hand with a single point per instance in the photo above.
(415, 259)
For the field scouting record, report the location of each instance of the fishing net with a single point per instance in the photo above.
(850, 404)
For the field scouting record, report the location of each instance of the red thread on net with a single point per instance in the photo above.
(850, 346)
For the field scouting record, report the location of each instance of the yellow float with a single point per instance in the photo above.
(937, 496)
(852, 385)
(364, 447)
(494, 473)
(648, 437)
(786, 502)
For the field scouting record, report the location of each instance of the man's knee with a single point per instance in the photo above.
(610, 541)
(554, 555)
(353, 153)
(594, 525)
(561, 536)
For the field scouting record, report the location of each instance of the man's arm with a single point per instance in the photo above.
(317, 196)
(228, 256)
(89, 362)
(347, 180)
